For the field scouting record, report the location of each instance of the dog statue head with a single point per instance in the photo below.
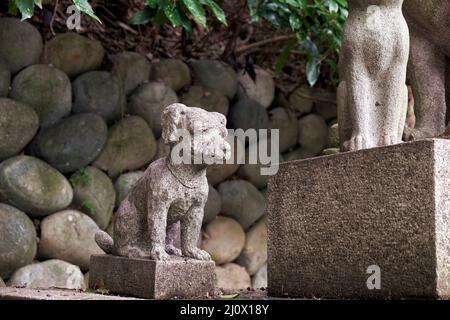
(201, 135)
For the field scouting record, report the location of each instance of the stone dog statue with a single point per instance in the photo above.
(170, 192)
(429, 65)
(372, 95)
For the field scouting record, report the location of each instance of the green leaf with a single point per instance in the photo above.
(38, 3)
(12, 8)
(196, 9)
(26, 8)
(284, 55)
(294, 21)
(84, 6)
(217, 10)
(143, 16)
(253, 8)
(230, 296)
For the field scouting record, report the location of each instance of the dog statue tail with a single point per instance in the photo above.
(104, 241)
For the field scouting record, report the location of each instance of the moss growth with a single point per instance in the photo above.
(81, 178)
(89, 206)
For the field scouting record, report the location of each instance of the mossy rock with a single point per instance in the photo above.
(131, 68)
(210, 100)
(215, 75)
(174, 73)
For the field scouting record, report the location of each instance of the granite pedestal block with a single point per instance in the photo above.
(178, 277)
(332, 218)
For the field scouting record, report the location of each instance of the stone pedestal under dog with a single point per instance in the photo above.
(368, 224)
(170, 198)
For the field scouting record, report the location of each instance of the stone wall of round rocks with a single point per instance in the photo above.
(75, 137)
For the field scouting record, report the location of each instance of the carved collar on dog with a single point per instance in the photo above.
(189, 175)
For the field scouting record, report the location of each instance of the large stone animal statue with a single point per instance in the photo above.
(373, 96)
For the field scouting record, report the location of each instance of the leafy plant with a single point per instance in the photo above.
(178, 13)
(26, 7)
(317, 25)
(81, 177)
(89, 206)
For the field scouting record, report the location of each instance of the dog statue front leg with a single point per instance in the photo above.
(157, 222)
(190, 231)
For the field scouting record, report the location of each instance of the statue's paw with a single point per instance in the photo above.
(197, 254)
(357, 142)
(171, 249)
(389, 140)
(159, 253)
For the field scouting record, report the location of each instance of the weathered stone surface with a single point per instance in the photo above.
(99, 92)
(5, 79)
(223, 239)
(73, 54)
(69, 235)
(20, 43)
(325, 104)
(94, 194)
(48, 274)
(262, 89)
(248, 114)
(125, 183)
(259, 279)
(372, 106)
(46, 89)
(242, 202)
(174, 73)
(232, 276)
(132, 68)
(254, 253)
(33, 186)
(210, 100)
(18, 125)
(18, 240)
(327, 225)
(252, 171)
(178, 277)
(216, 75)
(2, 283)
(286, 122)
(301, 99)
(428, 62)
(312, 133)
(72, 143)
(213, 205)
(149, 100)
(130, 146)
(217, 173)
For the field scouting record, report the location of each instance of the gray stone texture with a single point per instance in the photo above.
(215, 75)
(48, 274)
(372, 95)
(172, 72)
(149, 101)
(33, 186)
(18, 125)
(5, 79)
(262, 89)
(73, 53)
(46, 89)
(223, 239)
(69, 235)
(72, 143)
(94, 195)
(254, 253)
(213, 205)
(18, 240)
(131, 68)
(20, 43)
(210, 100)
(232, 277)
(429, 58)
(125, 183)
(99, 92)
(130, 146)
(330, 218)
(177, 277)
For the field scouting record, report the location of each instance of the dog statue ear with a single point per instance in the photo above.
(171, 121)
(223, 121)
